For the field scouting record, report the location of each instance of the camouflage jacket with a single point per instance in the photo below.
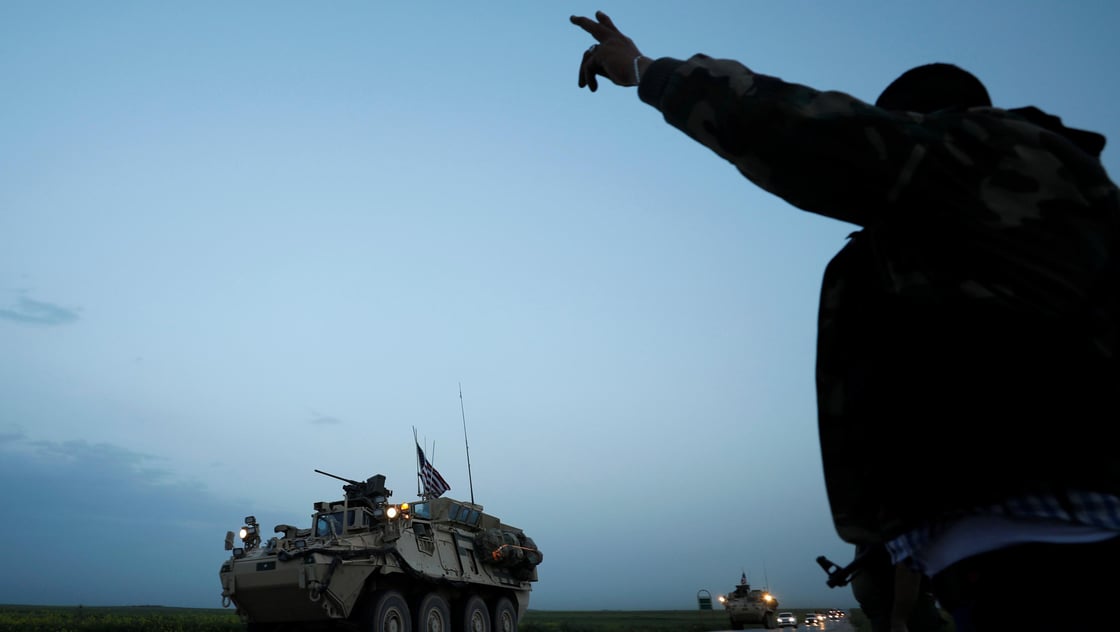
(967, 333)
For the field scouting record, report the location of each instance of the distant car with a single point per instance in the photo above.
(786, 620)
(835, 614)
(815, 619)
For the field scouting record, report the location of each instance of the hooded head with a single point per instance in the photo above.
(934, 87)
(940, 86)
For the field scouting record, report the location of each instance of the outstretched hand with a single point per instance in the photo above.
(614, 56)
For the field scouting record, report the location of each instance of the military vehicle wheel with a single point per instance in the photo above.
(389, 613)
(476, 618)
(735, 625)
(504, 616)
(433, 614)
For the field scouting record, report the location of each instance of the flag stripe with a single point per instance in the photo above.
(434, 484)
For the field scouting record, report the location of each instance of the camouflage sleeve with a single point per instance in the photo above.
(818, 150)
(1004, 207)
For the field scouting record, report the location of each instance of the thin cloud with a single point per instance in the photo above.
(325, 420)
(102, 456)
(31, 312)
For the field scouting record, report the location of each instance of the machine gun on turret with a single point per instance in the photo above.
(371, 491)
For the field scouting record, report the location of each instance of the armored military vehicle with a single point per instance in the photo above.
(747, 606)
(434, 565)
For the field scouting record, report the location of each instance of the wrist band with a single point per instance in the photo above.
(637, 74)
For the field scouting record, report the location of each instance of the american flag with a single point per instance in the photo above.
(434, 485)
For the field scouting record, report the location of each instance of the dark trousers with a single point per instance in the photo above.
(873, 588)
(1031, 587)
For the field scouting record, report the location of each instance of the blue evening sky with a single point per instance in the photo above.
(242, 241)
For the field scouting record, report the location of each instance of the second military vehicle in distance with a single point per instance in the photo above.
(747, 606)
(433, 564)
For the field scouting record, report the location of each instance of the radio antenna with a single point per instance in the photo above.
(465, 442)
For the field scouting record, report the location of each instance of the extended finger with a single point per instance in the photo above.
(606, 21)
(595, 29)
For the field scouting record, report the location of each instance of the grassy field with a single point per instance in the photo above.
(163, 619)
(118, 618)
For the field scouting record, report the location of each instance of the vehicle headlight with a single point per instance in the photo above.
(250, 533)
(392, 512)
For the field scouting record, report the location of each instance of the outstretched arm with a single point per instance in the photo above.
(764, 126)
(825, 152)
(614, 56)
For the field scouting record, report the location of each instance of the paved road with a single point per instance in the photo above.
(832, 626)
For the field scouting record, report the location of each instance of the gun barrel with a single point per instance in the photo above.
(338, 477)
(838, 575)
